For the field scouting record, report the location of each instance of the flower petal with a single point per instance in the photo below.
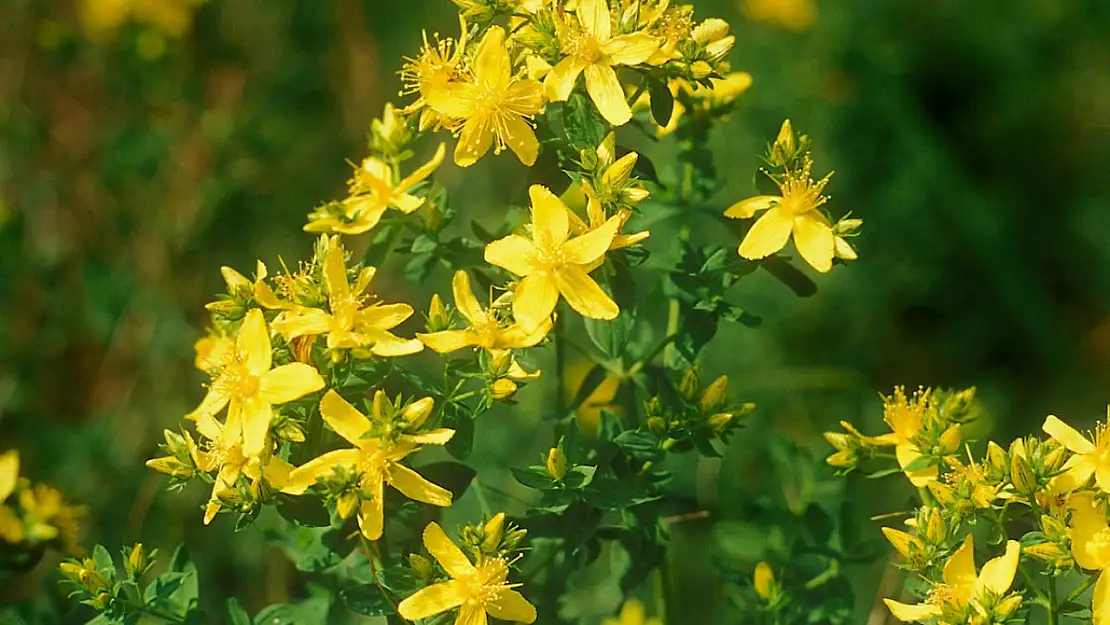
(382, 316)
(448, 341)
(591, 246)
(910, 613)
(344, 418)
(514, 253)
(959, 571)
(998, 574)
(422, 172)
(475, 140)
(550, 223)
(815, 241)
(289, 382)
(514, 336)
(449, 556)
(335, 273)
(301, 322)
(584, 295)
(631, 49)
(511, 606)
(1089, 530)
(1100, 600)
(594, 17)
(491, 62)
(253, 342)
(521, 139)
(415, 487)
(465, 301)
(906, 454)
(306, 475)
(256, 416)
(472, 614)
(769, 235)
(431, 600)
(387, 345)
(1066, 435)
(438, 436)
(605, 90)
(559, 84)
(371, 517)
(745, 209)
(9, 473)
(534, 300)
(214, 401)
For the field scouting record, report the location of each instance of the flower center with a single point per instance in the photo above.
(584, 46)
(485, 585)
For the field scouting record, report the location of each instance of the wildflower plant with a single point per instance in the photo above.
(324, 404)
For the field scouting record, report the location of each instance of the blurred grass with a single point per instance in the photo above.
(974, 141)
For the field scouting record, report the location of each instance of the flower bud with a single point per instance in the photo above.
(437, 315)
(620, 172)
(137, 561)
(700, 69)
(1021, 476)
(493, 531)
(1054, 529)
(996, 458)
(843, 460)
(658, 426)
(1008, 606)
(101, 601)
(785, 144)
(712, 29)
(503, 389)
(172, 467)
(301, 346)
(908, 545)
(714, 395)
(721, 421)
(958, 405)
(764, 580)
(689, 384)
(719, 49)
(289, 430)
(433, 217)
(175, 444)
(1054, 459)
(950, 440)
(935, 529)
(420, 565)
(841, 441)
(71, 570)
(556, 463)
(943, 493)
(1044, 551)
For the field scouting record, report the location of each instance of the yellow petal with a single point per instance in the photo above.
(550, 224)
(631, 49)
(523, 97)
(998, 574)
(9, 473)
(210, 510)
(514, 337)
(389, 346)
(1075, 473)
(256, 416)
(472, 615)
(906, 544)
(769, 235)
(815, 241)
(594, 17)
(420, 173)
(584, 295)
(301, 322)
(1100, 600)
(534, 300)
(456, 100)
(214, 401)
(591, 246)
(1090, 533)
(382, 316)
(431, 600)
(475, 140)
(405, 203)
(448, 341)
(289, 382)
(559, 84)
(1066, 435)
(365, 277)
(511, 606)
(763, 580)
(235, 281)
(449, 556)
(521, 139)
(438, 436)
(253, 341)
(304, 476)
(465, 301)
(335, 273)
(959, 571)
(415, 487)
(491, 62)
(371, 517)
(910, 613)
(209, 427)
(605, 90)
(906, 455)
(514, 253)
(745, 209)
(844, 250)
(417, 412)
(343, 418)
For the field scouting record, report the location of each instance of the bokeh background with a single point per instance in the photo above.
(145, 143)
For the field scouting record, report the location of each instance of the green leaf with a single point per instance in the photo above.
(381, 244)
(610, 493)
(420, 267)
(236, 614)
(462, 442)
(789, 275)
(103, 561)
(423, 244)
(638, 444)
(306, 547)
(609, 425)
(304, 511)
(399, 580)
(310, 612)
(579, 477)
(366, 599)
(583, 124)
(534, 477)
(662, 101)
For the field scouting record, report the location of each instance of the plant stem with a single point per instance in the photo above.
(1051, 607)
(1087, 583)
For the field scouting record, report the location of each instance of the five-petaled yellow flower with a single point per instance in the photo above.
(591, 48)
(437, 65)
(906, 418)
(376, 456)
(494, 106)
(552, 263)
(1092, 457)
(1090, 546)
(249, 385)
(351, 322)
(373, 190)
(796, 211)
(961, 585)
(486, 330)
(478, 590)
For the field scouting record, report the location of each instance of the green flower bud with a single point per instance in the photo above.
(714, 396)
(950, 440)
(1021, 476)
(689, 385)
(556, 463)
(421, 566)
(657, 426)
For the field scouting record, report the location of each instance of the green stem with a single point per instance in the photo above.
(1087, 583)
(1051, 607)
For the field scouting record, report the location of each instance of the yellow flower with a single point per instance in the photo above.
(242, 290)
(373, 190)
(1090, 546)
(552, 263)
(961, 584)
(764, 580)
(9, 473)
(592, 49)
(906, 418)
(1092, 457)
(493, 104)
(795, 211)
(632, 613)
(250, 386)
(431, 72)
(486, 330)
(351, 323)
(375, 456)
(476, 589)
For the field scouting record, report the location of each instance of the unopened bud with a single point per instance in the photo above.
(175, 444)
(996, 458)
(958, 405)
(689, 384)
(950, 439)
(943, 493)
(420, 565)
(101, 601)
(654, 407)
(908, 545)
(785, 143)
(172, 467)
(556, 463)
(137, 561)
(658, 426)
(301, 346)
(492, 532)
(1054, 459)
(1044, 551)
(720, 422)
(843, 460)
(433, 217)
(714, 395)
(71, 570)
(763, 580)
(1021, 476)
(700, 69)
(437, 315)
(289, 430)
(935, 529)
(712, 29)
(1008, 606)
(1053, 528)
(503, 389)
(719, 49)
(840, 440)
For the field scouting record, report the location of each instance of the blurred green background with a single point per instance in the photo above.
(138, 157)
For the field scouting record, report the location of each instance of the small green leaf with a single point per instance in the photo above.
(662, 101)
(236, 614)
(579, 476)
(638, 444)
(534, 477)
(304, 511)
(584, 127)
(424, 244)
(103, 561)
(310, 612)
(366, 599)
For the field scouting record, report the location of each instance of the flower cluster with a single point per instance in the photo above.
(33, 516)
(1042, 500)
